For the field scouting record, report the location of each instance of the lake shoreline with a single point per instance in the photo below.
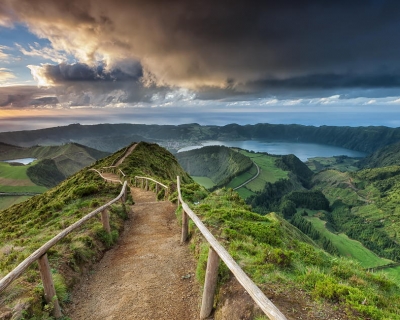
(304, 151)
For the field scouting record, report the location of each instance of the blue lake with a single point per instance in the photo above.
(303, 151)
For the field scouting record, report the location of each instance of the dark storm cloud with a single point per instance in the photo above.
(239, 46)
(64, 72)
(24, 96)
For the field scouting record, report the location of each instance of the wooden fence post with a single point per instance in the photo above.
(48, 285)
(105, 220)
(185, 226)
(147, 185)
(156, 188)
(210, 284)
(123, 198)
(142, 183)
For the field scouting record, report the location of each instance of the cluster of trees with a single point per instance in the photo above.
(306, 227)
(369, 233)
(293, 164)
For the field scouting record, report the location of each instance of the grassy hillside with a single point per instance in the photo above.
(277, 255)
(365, 207)
(69, 158)
(269, 172)
(54, 164)
(25, 227)
(218, 163)
(386, 156)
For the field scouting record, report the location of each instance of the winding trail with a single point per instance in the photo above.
(251, 179)
(147, 275)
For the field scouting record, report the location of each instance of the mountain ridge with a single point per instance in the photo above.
(115, 136)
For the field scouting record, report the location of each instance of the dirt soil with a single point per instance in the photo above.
(147, 275)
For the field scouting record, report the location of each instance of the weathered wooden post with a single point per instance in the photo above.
(142, 183)
(185, 226)
(147, 185)
(135, 182)
(156, 188)
(105, 219)
(123, 198)
(210, 284)
(48, 285)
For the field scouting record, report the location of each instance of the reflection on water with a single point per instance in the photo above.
(23, 161)
(303, 151)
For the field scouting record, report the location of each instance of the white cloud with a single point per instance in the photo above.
(5, 75)
(3, 55)
(45, 53)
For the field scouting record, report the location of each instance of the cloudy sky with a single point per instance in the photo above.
(213, 62)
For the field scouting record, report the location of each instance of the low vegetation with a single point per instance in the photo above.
(275, 254)
(218, 163)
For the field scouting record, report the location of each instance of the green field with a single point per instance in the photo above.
(269, 172)
(349, 248)
(204, 181)
(393, 273)
(8, 201)
(15, 179)
(244, 192)
(338, 163)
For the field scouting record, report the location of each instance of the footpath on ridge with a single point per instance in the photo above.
(147, 275)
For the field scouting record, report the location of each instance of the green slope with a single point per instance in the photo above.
(218, 163)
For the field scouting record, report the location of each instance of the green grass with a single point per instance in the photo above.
(204, 181)
(349, 248)
(15, 179)
(273, 254)
(341, 164)
(269, 172)
(8, 201)
(8, 171)
(394, 273)
(244, 192)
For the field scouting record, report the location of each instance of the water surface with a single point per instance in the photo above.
(303, 151)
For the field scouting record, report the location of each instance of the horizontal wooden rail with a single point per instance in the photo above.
(41, 252)
(258, 296)
(155, 181)
(105, 178)
(146, 186)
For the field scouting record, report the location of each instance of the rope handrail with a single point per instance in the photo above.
(212, 267)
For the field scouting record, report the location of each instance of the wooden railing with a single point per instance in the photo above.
(145, 182)
(216, 252)
(40, 255)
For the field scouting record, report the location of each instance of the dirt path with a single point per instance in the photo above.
(148, 275)
(127, 153)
